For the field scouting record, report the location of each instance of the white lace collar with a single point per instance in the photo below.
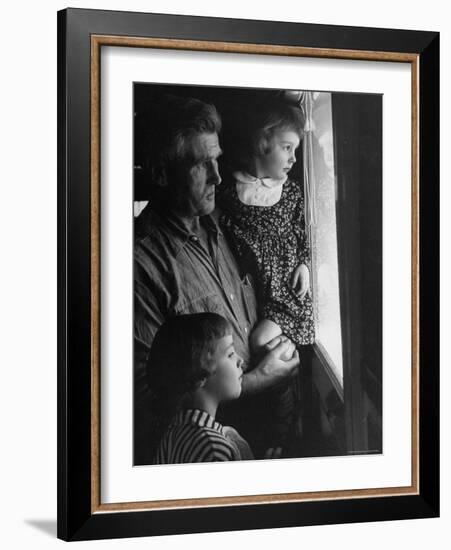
(255, 191)
(244, 177)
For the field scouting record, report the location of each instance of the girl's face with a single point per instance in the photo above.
(278, 161)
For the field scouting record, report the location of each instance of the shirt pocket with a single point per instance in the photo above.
(212, 303)
(250, 300)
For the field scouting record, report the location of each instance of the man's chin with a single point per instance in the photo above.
(208, 208)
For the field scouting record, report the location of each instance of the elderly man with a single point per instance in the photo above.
(182, 261)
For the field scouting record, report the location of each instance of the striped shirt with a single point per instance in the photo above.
(195, 436)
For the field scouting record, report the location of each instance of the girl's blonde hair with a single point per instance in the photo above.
(262, 123)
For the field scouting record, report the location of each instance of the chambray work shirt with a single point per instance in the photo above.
(174, 273)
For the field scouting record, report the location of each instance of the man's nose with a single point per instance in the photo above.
(214, 177)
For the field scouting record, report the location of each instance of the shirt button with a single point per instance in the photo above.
(245, 330)
(231, 296)
(194, 238)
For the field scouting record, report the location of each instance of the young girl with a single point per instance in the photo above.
(192, 369)
(263, 209)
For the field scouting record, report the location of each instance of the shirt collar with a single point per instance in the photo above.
(247, 179)
(151, 218)
(199, 418)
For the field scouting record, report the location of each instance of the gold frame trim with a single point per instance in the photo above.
(97, 41)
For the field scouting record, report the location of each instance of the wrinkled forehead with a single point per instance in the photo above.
(202, 147)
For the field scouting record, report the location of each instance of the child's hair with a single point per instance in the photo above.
(271, 118)
(180, 357)
(262, 122)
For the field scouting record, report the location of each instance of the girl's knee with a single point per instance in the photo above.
(264, 332)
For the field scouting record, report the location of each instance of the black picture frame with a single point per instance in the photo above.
(78, 517)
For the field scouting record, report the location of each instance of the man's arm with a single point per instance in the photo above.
(148, 316)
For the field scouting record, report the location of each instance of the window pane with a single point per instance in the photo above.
(324, 237)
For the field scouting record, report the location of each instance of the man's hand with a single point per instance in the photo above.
(272, 368)
(291, 348)
(300, 280)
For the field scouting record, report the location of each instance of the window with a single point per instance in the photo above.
(323, 236)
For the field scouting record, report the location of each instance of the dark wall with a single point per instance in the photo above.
(358, 162)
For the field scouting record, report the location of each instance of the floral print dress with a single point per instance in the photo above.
(271, 242)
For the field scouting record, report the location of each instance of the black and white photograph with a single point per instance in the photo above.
(246, 209)
(257, 273)
(226, 254)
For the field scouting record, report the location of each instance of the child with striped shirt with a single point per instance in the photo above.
(192, 369)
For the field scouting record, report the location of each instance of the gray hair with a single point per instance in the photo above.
(173, 123)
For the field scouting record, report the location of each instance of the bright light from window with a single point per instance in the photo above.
(324, 238)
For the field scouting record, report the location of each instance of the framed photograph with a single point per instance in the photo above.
(248, 274)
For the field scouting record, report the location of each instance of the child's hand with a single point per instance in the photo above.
(273, 452)
(300, 280)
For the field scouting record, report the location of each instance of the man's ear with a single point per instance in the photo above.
(159, 175)
(202, 382)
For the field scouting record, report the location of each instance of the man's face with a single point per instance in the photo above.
(195, 188)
